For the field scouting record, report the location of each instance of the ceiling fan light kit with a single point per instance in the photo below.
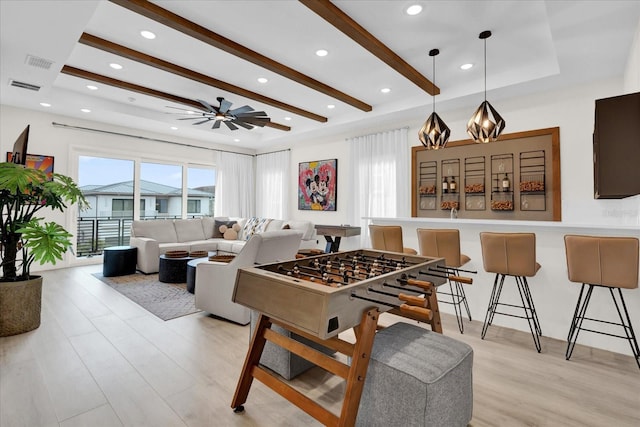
(486, 124)
(435, 133)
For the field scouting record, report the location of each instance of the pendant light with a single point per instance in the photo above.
(434, 133)
(486, 124)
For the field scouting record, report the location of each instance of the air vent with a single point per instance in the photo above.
(24, 85)
(38, 62)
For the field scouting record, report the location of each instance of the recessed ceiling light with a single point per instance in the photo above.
(466, 66)
(322, 52)
(385, 90)
(45, 104)
(414, 9)
(147, 34)
(262, 80)
(92, 87)
(287, 118)
(174, 128)
(115, 66)
(331, 106)
(236, 140)
(85, 110)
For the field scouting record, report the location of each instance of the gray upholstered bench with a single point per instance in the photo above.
(281, 361)
(417, 378)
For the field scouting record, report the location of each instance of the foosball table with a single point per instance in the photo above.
(320, 296)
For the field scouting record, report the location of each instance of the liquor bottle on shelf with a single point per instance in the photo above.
(506, 184)
(445, 185)
(453, 186)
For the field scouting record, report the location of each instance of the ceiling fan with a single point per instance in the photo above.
(245, 116)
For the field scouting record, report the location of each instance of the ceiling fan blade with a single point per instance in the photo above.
(224, 105)
(243, 124)
(208, 106)
(198, 117)
(231, 126)
(203, 121)
(216, 124)
(241, 110)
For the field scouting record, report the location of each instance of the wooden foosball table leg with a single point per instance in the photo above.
(354, 374)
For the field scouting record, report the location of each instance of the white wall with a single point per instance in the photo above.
(632, 71)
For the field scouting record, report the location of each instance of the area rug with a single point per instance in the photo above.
(165, 300)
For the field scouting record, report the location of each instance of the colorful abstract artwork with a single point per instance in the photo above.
(317, 185)
(37, 161)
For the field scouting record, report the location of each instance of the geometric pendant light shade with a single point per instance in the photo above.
(434, 134)
(486, 124)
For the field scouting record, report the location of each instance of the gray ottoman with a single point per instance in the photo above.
(281, 361)
(417, 378)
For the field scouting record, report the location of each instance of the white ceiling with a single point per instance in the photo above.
(536, 45)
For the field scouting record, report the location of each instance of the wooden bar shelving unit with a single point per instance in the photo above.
(530, 162)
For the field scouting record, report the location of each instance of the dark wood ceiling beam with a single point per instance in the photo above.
(77, 72)
(134, 55)
(178, 23)
(343, 22)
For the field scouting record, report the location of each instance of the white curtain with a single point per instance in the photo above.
(380, 184)
(272, 184)
(235, 193)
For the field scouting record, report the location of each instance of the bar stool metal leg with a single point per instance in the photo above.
(529, 311)
(493, 301)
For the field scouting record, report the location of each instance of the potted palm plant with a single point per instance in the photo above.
(26, 238)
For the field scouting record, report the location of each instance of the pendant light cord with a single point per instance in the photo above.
(485, 69)
(434, 83)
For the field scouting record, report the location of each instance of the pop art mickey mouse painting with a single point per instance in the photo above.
(317, 185)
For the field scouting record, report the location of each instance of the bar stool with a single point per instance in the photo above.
(445, 243)
(604, 262)
(511, 254)
(388, 238)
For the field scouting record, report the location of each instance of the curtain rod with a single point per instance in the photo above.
(145, 138)
(272, 152)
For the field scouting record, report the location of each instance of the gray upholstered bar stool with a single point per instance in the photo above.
(511, 254)
(604, 262)
(388, 238)
(445, 243)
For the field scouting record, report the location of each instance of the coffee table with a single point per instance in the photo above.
(173, 270)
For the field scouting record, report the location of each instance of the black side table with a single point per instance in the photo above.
(173, 270)
(119, 260)
(191, 273)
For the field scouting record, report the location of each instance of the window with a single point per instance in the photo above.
(193, 206)
(162, 205)
(122, 208)
(201, 189)
(164, 183)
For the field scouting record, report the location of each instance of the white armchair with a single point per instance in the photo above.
(215, 281)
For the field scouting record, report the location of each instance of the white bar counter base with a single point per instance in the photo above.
(554, 296)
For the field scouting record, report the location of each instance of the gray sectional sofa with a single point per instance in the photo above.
(155, 237)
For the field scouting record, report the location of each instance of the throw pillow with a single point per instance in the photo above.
(230, 233)
(216, 228)
(254, 226)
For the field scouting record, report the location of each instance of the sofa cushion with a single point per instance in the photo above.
(161, 230)
(231, 246)
(274, 225)
(216, 230)
(306, 227)
(204, 245)
(254, 226)
(188, 230)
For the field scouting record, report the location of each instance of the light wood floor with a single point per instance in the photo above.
(98, 359)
